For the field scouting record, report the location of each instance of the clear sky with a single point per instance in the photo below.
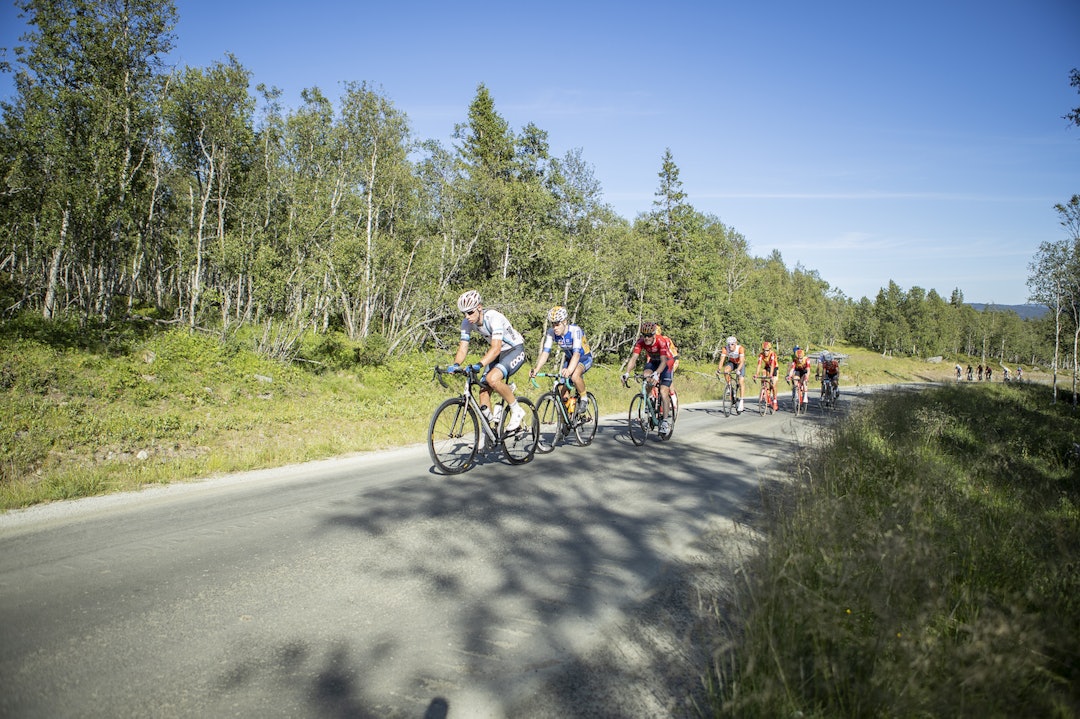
(921, 142)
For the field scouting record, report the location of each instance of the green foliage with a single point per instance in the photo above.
(924, 566)
(330, 218)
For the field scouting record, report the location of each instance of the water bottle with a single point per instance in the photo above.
(571, 404)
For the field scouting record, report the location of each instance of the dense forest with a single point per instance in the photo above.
(132, 190)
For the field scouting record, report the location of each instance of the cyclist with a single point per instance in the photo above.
(829, 366)
(674, 352)
(577, 356)
(1019, 373)
(969, 373)
(989, 372)
(733, 359)
(507, 352)
(959, 372)
(768, 361)
(800, 365)
(657, 367)
(978, 372)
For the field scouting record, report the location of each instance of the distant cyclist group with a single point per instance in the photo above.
(985, 374)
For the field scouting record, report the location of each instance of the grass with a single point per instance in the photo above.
(925, 562)
(92, 409)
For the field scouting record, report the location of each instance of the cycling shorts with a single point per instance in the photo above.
(509, 362)
(665, 376)
(585, 363)
(739, 370)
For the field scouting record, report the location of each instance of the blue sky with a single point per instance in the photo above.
(920, 142)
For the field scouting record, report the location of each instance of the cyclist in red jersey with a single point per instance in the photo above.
(768, 361)
(659, 361)
(800, 365)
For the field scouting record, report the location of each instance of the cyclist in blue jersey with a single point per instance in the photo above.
(503, 358)
(577, 356)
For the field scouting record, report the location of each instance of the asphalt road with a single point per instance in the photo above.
(369, 586)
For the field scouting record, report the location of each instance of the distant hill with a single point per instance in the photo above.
(1025, 311)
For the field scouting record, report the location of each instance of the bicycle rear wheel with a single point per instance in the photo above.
(520, 445)
(638, 420)
(588, 416)
(549, 418)
(453, 436)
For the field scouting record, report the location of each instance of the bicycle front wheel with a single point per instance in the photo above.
(725, 401)
(520, 445)
(549, 418)
(453, 436)
(638, 420)
(587, 419)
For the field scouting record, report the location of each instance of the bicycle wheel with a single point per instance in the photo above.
(733, 400)
(453, 436)
(725, 401)
(549, 418)
(520, 445)
(588, 417)
(795, 399)
(800, 397)
(638, 420)
(763, 401)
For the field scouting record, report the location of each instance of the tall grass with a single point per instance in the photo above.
(925, 563)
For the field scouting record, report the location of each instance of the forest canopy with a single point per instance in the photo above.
(187, 196)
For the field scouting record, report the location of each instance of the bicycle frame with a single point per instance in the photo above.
(767, 395)
(459, 430)
(471, 402)
(652, 405)
(798, 393)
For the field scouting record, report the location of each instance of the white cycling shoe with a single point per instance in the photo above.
(516, 415)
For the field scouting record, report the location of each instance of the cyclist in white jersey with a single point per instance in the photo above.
(504, 357)
(570, 339)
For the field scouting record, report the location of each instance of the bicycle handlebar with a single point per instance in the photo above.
(561, 380)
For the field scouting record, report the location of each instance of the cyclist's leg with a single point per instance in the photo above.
(665, 390)
(578, 377)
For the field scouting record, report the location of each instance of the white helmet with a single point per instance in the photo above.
(826, 357)
(732, 341)
(468, 301)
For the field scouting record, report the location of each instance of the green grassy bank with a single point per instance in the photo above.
(925, 563)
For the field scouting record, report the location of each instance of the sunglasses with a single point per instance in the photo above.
(469, 312)
(651, 334)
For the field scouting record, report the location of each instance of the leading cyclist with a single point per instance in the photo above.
(657, 368)
(507, 351)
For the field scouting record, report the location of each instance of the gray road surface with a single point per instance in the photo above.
(369, 586)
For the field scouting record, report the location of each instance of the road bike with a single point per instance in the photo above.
(458, 429)
(558, 416)
(799, 399)
(647, 411)
(830, 392)
(730, 401)
(767, 396)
